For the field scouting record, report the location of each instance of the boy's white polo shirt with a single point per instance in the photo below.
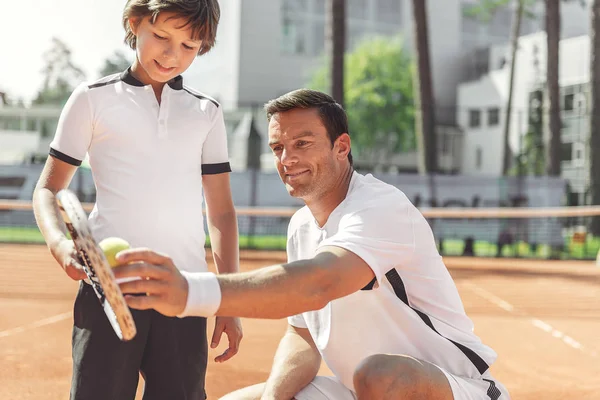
(147, 160)
(411, 307)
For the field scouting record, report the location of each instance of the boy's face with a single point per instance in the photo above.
(307, 163)
(164, 49)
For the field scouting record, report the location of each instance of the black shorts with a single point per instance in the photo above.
(171, 353)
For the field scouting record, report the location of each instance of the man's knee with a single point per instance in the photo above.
(379, 373)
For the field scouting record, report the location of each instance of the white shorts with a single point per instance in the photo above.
(330, 388)
(486, 388)
(325, 388)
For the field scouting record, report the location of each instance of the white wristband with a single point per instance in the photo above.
(204, 294)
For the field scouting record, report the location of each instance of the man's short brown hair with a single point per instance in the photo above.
(332, 114)
(202, 15)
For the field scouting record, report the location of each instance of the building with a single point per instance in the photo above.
(482, 105)
(266, 48)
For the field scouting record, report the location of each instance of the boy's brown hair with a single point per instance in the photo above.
(202, 15)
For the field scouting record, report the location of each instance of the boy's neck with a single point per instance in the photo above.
(141, 75)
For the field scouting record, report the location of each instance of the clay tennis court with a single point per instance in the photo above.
(543, 319)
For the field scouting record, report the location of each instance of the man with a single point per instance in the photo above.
(364, 288)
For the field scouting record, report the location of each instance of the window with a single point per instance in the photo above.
(566, 152)
(478, 157)
(569, 102)
(579, 156)
(293, 26)
(293, 35)
(493, 116)
(474, 118)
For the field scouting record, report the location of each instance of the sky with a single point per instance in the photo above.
(90, 28)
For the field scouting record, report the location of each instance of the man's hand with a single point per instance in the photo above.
(232, 327)
(165, 288)
(66, 255)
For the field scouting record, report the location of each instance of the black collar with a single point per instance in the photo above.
(127, 77)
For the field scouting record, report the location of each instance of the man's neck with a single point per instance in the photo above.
(322, 207)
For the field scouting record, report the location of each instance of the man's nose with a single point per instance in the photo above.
(288, 157)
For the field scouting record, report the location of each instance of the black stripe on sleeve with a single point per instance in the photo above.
(396, 281)
(63, 157)
(213, 169)
(370, 285)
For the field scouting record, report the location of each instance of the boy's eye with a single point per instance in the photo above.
(159, 37)
(185, 46)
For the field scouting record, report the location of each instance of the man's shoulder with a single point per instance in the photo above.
(371, 192)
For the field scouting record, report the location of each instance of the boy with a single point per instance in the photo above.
(155, 148)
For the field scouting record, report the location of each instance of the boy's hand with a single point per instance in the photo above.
(165, 289)
(232, 327)
(67, 257)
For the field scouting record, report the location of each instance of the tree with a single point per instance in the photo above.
(530, 160)
(594, 189)
(554, 125)
(61, 75)
(118, 62)
(335, 44)
(425, 121)
(378, 92)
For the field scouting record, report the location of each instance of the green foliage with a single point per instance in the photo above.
(118, 62)
(485, 9)
(378, 93)
(531, 158)
(61, 76)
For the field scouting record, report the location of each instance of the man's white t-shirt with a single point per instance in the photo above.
(411, 308)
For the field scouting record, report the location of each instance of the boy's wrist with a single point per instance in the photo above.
(204, 294)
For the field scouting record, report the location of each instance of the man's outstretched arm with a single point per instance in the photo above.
(272, 292)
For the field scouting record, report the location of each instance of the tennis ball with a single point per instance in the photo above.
(111, 246)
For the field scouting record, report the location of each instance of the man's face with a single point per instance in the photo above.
(165, 49)
(307, 163)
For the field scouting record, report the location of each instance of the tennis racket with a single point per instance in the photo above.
(95, 265)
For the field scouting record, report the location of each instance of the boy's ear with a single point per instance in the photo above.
(133, 25)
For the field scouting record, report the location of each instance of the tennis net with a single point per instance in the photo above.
(543, 233)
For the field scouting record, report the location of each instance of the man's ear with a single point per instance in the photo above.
(343, 146)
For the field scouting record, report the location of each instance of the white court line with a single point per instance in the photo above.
(538, 323)
(36, 324)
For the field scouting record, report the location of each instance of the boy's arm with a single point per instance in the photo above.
(222, 222)
(296, 364)
(223, 232)
(55, 176)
